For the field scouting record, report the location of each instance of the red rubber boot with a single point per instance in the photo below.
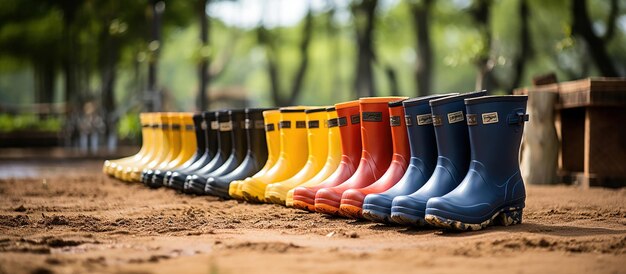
(352, 199)
(375, 155)
(349, 120)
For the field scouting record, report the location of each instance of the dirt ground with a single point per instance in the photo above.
(66, 217)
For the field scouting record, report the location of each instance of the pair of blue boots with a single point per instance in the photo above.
(472, 178)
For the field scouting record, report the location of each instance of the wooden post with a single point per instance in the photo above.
(540, 144)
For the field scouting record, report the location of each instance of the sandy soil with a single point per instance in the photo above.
(65, 217)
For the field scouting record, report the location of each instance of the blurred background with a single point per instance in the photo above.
(76, 73)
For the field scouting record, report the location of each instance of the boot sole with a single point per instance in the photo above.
(274, 198)
(371, 213)
(399, 217)
(303, 205)
(326, 209)
(350, 211)
(506, 216)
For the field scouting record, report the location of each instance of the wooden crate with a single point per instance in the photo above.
(592, 115)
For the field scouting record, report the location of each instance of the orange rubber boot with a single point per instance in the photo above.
(375, 156)
(352, 199)
(349, 122)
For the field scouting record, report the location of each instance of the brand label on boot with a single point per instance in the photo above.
(314, 124)
(176, 126)
(215, 125)
(145, 125)
(490, 118)
(394, 121)
(333, 122)
(455, 117)
(342, 121)
(355, 119)
(258, 124)
(165, 126)
(300, 124)
(155, 126)
(408, 120)
(471, 120)
(203, 125)
(226, 126)
(189, 127)
(426, 119)
(284, 124)
(436, 120)
(269, 127)
(372, 116)
(247, 124)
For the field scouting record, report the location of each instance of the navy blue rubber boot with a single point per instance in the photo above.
(176, 179)
(196, 183)
(377, 207)
(448, 117)
(493, 191)
(159, 175)
(256, 156)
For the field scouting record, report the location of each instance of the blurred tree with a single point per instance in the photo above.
(364, 12)
(271, 43)
(421, 25)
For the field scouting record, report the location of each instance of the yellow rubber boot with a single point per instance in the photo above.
(272, 138)
(185, 129)
(174, 144)
(120, 171)
(317, 143)
(293, 154)
(144, 118)
(133, 173)
(184, 137)
(332, 160)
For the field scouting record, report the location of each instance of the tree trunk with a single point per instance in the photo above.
(154, 102)
(364, 80)
(203, 73)
(582, 26)
(525, 46)
(298, 80)
(481, 14)
(424, 69)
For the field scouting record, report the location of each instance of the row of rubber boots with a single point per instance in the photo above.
(446, 160)
(196, 153)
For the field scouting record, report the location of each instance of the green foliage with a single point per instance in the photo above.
(11, 123)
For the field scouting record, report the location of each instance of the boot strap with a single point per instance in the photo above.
(518, 118)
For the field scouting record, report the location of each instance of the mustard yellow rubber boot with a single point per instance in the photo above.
(133, 173)
(333, 157)
(317, 143)
(293, 154)
(174, 145)
(272, 138)
(120, 171)
(188, 146)
(146, 131)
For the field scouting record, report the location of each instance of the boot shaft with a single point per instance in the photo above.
(349, 122)
(293, 133)
(238, 133)
(255, 133)
(200, 133)
(224, 130)
(418, 118)
(334, 136)
(399, 137)
(212, 125)
(375, 129)
(496, 125)
(317, 133)
(271, 119)
(448, 117)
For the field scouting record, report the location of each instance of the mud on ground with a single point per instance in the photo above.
(65, 217)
